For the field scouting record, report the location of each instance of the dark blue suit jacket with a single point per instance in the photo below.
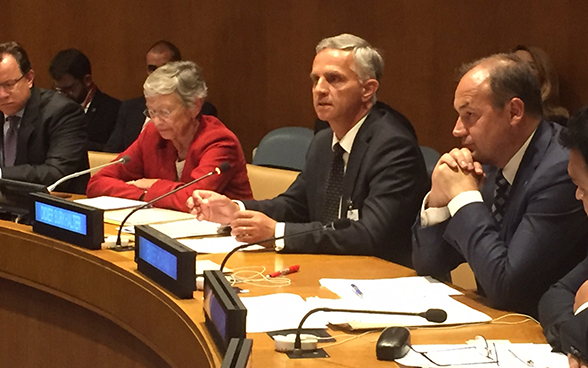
(101, 117)
(385, 180)
(543, 235)
(556, 308)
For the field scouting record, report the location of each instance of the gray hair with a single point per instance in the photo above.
(368, 61)
(182, 77)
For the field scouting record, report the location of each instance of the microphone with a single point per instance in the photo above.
(218, 171)
(339, 224)
(123, 160)
(431, 315)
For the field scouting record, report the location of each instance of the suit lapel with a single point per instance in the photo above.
(531, 159)
(27, 126)
(358, 150)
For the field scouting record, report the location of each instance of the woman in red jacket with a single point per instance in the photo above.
(176, 146)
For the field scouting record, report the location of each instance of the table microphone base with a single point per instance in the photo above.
(123, 248)
(307, 354)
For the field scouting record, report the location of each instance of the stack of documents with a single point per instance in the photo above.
(406, 294)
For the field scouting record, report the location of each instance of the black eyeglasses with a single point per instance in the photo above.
(478, 353)
(8, 86)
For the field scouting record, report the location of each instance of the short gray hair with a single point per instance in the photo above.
(182, 77)
(369, 63)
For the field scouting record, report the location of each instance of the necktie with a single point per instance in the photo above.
(10, 139)
(334, 188)
(501, 191)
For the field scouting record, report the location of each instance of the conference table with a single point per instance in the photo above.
(65, 306)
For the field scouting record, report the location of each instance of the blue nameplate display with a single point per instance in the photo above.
(68, 221)
(238, 353)
(165, 261)
(225, 315)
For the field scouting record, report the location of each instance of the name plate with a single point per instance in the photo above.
(69, 221)
(166, 261)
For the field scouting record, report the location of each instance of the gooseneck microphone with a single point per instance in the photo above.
(338, 224)
(431, 315)
(123, 160)
(218, 171)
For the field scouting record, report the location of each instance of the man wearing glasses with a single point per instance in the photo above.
(130, 120)
(44, 134)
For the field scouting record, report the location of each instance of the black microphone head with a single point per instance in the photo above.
(223, 168)
(125, 159)
(340, 224)
(436, 315)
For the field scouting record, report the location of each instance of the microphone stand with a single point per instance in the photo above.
(119, 248)
(431, 315)
(335, 225)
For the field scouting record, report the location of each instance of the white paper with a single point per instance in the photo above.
(538, 355)
(146, 216)
(279, 312)
(107, 203)
(206, 265)
(457, 313)
(187, 228)
(415, 285)
(222, 244)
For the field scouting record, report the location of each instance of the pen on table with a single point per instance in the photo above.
(356, 290)
(285, 271)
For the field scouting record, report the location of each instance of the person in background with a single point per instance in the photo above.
(130, 120)
(45, 136)
(367, 166)
(563, 308)
(72, 76)
(504, 202)
(179, 146)
(544, 70)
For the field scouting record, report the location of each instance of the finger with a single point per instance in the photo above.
(468, 159)
(461, 158)
(478, 168)
(448, 160)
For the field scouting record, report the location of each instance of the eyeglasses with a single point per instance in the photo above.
(8, 86)
(478, 353)
(162, 114)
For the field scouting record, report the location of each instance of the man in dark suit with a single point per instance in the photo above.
(72, 76)
(44, 136)
(515, 219)
(130, 119)
(562, 309)
(366, 167)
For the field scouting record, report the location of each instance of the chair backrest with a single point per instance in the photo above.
(96, 158)
(267, 182)
(284, 148)
(431, 157)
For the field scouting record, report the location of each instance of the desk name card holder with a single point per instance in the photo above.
(225, 314)
(166, 261)
(69, 221)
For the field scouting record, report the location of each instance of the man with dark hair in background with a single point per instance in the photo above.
(514, 220)
(44, 136)
(131, 118)
(563, 308)
(72, 76)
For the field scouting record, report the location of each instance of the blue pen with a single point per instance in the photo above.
(356, 290)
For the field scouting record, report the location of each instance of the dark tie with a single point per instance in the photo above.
(501, 191)
(334, 187)
(10, 140)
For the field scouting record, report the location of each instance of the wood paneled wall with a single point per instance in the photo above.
(257, 54)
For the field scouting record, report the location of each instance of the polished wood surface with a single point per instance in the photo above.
(158, 330)
(257, 54)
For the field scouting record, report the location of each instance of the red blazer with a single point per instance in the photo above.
(154, 157)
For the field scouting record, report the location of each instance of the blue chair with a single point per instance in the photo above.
(431, 157)
(284, 148)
